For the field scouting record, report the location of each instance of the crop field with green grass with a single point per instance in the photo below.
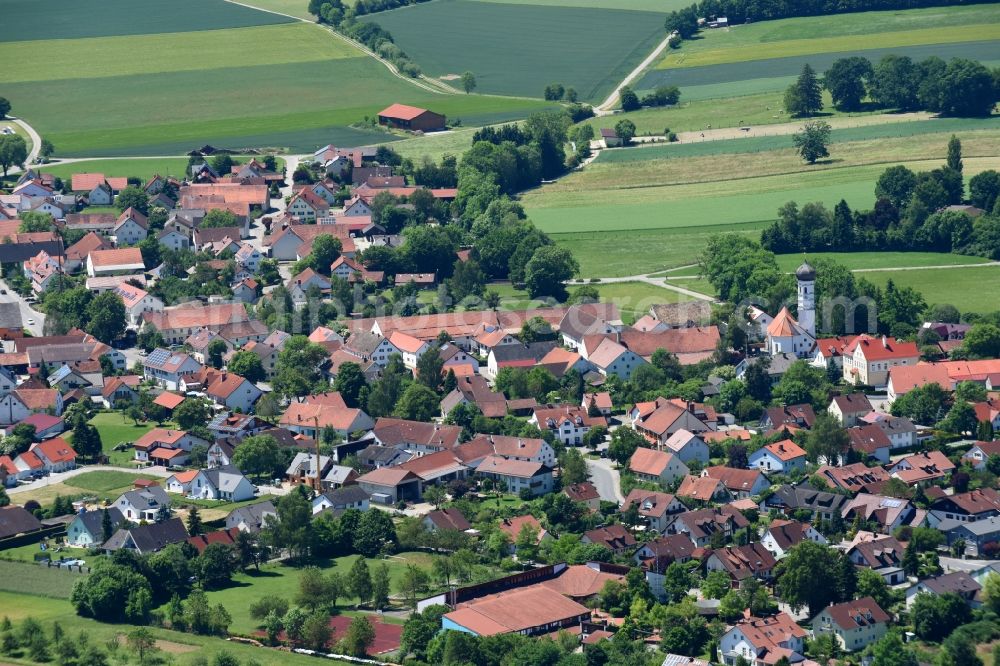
(865, 133)
(269, 83)
(295, 8)
(970, 289)
(865, 261)
(774, 68)
(518, 49)
(36, 579)
(837, 33)
(77, 19)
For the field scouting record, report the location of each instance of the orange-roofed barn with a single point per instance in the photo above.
(401, 116)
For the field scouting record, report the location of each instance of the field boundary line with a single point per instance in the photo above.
(423, 85)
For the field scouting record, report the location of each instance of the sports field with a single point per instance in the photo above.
(276, 84)
(518, 49)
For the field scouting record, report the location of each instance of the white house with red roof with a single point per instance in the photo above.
(568, 423)
(137, 301)
(21, 403)
(410, 347)
(656, 466)
(131, 227)
(55, 454)
(307, 205)
(763, 641)
(122, 261)
(300, 285)
(779, 457)
(854, 624)
(518, 475)
(980, 454)
(868, 360)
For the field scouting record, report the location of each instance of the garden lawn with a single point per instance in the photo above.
(518, 49)
(107, 481)
(114, 430)
(283, 581)
(634, 299)
(76, 19)
(837, 33)
(185, 649)
(970, 289)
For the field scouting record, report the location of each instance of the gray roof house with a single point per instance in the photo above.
(251, 518)
(341, 499)
(87, 529)
(976, 534)
(148, 538)
(138, 505)
(222, 483)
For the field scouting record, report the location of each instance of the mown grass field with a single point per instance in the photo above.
(283, 581)
(270, 83)
(102, 484)
(114, 430)
(837, 33)
(184, 649)
(36, 579)
(77, 19)
(970, 289)
(295, 8)
(142, 168)
(976, 131)
(881, 260)
(639, 217)
(518, 49)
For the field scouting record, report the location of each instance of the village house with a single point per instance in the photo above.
(585, 493)
(54, 455)
(167, 368)
(22, 402)
(147, 538)
(855, 478)
(781, 457)
(446, 519)
(614, 537)
(338, 500)
(658, 420)
(900, 430)
(568, 423)
(657, 509)
(687, 446)
(656, 555)
(967, 507)
(752, 560)
(855, 624)
(790, 499)
(788, 416)
(123, 261)
(176, 323)
(883, 555)
(517, 476)
(868, 360)
(513, 527)
(871, 442)
(922, 468)
(226, 389)
(143, 505)
(701, 525)
(763, 641)
(958, 582)
(389, 485)
(704, 490)
(656, 466)
(87, 528)
(225, 483)
(781, 535)
(849, 408)
(137, 301)
(130, 227)
(251, 518)
(741, 483)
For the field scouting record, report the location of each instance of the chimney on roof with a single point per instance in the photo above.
(885, 342)
(690, 406)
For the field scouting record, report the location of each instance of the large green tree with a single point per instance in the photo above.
(845, 79)
(547, 271)
(259, 456)
(106, 317)
(805, 96)
(13, 151)
(814, 575)
(813, 140)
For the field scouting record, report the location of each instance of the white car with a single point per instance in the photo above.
(31, 322)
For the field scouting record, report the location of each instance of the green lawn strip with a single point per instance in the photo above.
(616, 254)
(295, 8)
(27, 552)
(526, 47)
(184, 649)
(283, 581)
(970, 289)
(106, 480)
(789, 66)
(701, 285)
(856, 260)
(37, 579)
(172, 52)
(816, 29)
(114, 430)
(73, 19)
(779, 142)
(436, 144)
(634, 299)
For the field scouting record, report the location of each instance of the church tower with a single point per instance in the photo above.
(806, 277)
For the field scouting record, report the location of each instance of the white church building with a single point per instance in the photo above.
(785, 334)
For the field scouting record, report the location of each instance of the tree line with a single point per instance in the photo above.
(344, 18)
(910, 213)
(685, 21)
(959, 87)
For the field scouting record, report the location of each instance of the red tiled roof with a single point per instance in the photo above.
(55, 450)
(402, 112)
(168, 400)
(225, 537)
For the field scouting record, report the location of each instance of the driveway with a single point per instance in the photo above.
(27, 314)
(950, 564)
(606, 479)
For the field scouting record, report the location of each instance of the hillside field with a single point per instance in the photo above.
(970, 289)
(518, 49)
(159, 91)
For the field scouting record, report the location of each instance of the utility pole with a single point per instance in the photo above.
(317, 485)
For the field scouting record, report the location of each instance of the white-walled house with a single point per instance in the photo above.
(688, 446)
(225, 483)
(855, 624)
(779, 457)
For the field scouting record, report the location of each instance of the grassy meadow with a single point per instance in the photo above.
(661, 6)
(969, 288)
(837, 33)
(518, 49)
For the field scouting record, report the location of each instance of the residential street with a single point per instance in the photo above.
(606, 479)
(27, 314)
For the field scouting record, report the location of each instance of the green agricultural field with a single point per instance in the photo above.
(971, 130)
(76, 19)
(518, 49)
(662, 6)
(642, 251)
(37, 579)
(837, 33)
(970, 289)
(865, 261)
(773, 68)
(295, 8)
(183, 649)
